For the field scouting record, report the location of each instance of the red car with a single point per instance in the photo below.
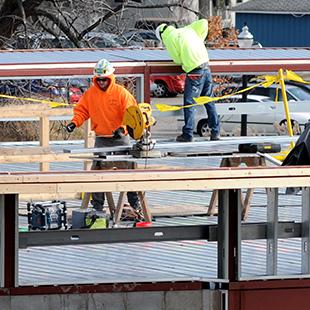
(167, 85)
(75, 94)
(72, 95)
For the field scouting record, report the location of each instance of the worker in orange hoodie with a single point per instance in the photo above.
(105, 103)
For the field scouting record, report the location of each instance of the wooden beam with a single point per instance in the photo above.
(35, 158)
(220, 174)
(33, 111)
(58, 183)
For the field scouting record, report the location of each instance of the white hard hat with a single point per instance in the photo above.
(159, 31)
(103, 68)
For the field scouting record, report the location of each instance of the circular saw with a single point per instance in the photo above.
(138, 120)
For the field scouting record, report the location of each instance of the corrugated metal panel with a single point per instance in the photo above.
(277, 30)
(279, 6)
(121, 55)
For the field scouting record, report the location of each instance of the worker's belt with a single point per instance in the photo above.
(203, 66)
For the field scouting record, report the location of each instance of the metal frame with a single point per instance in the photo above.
(2, 233)
(272, 230)
(305, 241)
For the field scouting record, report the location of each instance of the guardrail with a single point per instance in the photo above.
(42, 154)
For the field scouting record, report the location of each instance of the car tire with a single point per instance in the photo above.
(295, 126)
(161, 90)
(203, 129)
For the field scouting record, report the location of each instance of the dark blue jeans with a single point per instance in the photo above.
(98, 198)
(198, 83)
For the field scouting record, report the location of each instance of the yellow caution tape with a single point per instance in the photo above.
(268, 81)
(52, 104)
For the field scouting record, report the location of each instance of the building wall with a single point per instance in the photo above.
(181, 300)
(277, 30)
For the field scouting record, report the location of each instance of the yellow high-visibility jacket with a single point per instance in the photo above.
(186, 45)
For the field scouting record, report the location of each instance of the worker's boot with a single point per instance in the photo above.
(98, 201)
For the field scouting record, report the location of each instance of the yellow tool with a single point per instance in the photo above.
(138, 120)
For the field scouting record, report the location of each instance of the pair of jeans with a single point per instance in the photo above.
(198, 83)
(99, 198)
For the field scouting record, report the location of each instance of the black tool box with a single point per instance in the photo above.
(265, 147)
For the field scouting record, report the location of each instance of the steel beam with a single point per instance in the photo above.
(272, 230)
(10, 206)
(249, 231)
(80, 236)
(305, 241)
(2, 240)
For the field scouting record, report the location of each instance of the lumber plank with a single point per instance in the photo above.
(36, 158)
(33, 111)
(159, 184)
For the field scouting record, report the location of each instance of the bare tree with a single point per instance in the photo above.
(72, 19)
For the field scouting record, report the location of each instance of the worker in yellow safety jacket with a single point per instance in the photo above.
(186, 48)
(105, 103)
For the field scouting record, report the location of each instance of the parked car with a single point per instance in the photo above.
(293, 92)
(41, 40)
(167, 85)
(141, 38)
(260, 123)
(102, 39)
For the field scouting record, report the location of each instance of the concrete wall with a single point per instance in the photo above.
(173, 300)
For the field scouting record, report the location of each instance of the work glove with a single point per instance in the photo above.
(119, 133)
(70, 127)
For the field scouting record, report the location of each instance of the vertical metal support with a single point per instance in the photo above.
(229, 235)
(142, 86)
(147, 78)
(305, 231)
(244, 117)
(272, 230)
(223, 300)
(44, 125)
(10, 240)
(2, 222)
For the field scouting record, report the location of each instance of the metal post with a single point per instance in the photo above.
(2, 240)
(305, 228)
(145, 87)
(10, 207)
(142, 82)
(244, 117)
(229, 235)
(272, 230)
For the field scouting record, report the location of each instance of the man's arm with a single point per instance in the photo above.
(81, 113)
(200, 27)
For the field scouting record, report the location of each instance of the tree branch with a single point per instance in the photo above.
(52, 17)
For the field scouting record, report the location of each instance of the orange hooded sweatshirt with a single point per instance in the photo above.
(105, 108)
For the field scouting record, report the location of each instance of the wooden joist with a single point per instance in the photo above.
(57, 183)
(33, 111)
(38, 158)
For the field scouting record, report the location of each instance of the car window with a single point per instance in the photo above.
(300, 93)
(292, 93)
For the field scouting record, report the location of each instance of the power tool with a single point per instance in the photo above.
(138, 120)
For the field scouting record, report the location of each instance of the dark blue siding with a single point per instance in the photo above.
(277, 30)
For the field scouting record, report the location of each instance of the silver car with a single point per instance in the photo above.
(266, 119)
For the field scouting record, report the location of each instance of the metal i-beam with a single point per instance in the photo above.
(2, 240)
(229, 234)
(272, 230)
(305, 241)
(9, 240)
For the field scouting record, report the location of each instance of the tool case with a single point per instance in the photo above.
(89, 218)
(265, 147)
